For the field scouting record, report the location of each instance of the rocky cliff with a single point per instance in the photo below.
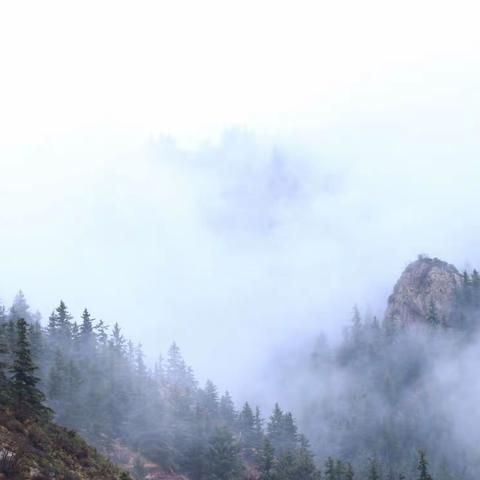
(423, 282)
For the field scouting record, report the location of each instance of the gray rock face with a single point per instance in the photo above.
(424, 281)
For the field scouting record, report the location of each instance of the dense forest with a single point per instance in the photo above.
(389, 389)
(96, 382)
(369, 405)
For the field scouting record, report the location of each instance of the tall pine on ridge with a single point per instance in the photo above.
(27, 397)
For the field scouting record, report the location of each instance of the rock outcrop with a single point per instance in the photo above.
(423, 282)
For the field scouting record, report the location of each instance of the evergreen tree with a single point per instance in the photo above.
(286, 466)
(246, 428)
(467, 290)
(35, 336)
(86, 327)
(224, 461)
(139, 361)
(289, 431)
(63, 319)
(373, 470)
(265, 461)
(20, 308)
(349, 473)
(227, 410)
(275, 427)
(258, 430)
(3, 366)
(422, 466)
(330, 470)
(101, 332)
(27, 397)
(3, 315)
(475, 283)
(210, 400)
(305, 465)
(53, 325)
(117, 340)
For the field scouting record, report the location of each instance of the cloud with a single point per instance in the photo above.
(236, 247)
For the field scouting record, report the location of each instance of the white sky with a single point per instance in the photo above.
(191, 68)
(372, 107)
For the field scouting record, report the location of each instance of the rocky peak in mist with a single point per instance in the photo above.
(423, 282)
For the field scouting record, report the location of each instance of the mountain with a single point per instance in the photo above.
(425, 284)
(371, 404)
(396, 389)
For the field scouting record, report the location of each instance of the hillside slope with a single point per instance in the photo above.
(40, 450)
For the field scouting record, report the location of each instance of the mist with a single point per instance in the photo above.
(265, 241)
(236, 180)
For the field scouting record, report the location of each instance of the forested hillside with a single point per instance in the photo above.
(96, 383)
(374, 406)
(31, 445)
(395, 385)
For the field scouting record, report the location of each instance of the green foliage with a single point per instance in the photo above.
(373, 470)
(3, 366)
(27, 398)
(98, 383)
(224, 461)
(265, 460)
(422, 466)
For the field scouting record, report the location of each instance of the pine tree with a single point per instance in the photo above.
(305, 465)
(422, 466)
(20, 308)
(139, 361)
(475, 289)
(265, 461)
(86, 341)
(3, 366)
(467, 290)
(210, 400)
(52, 327)
(63, 318)
(330, 470)
(289, 431)
(3, 315)
(356, 327)
(349, 473)
(227, 410)
(286, 466)
(224, 461)
(86, 328)
(35, 336)
(258, 430)
(373, 470)
(246, 428)
(159, 372)
(101, 332)
(28, 398)
(275, 427)
(117, 340)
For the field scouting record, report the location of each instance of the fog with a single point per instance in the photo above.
(235, 249)
(243, 214)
